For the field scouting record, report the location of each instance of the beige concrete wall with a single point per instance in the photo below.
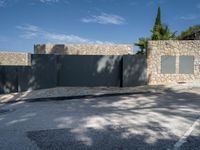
(156, 49)
(80, 49)
(14, 59)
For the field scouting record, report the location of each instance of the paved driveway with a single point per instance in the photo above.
(167, 120)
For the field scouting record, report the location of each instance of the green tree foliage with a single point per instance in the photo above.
(159, 32)
(142, 44)
(37, 48)
(163, 33)
(158, 25)
(189, 31)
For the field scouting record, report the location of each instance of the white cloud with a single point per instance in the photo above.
(189, 17)
(5, 3)
(53, 1)
(49, 1)
(105, 19)
(2, 3)
(31, 32)
(66, 38)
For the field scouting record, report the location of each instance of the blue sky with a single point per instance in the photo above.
(28, 22)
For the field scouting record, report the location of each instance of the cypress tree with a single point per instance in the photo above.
(157, 26)
(158, 23)
(159, 32)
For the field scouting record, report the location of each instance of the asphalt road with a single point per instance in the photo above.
(140, 121)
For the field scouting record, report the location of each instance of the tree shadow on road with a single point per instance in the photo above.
(111, 137)
(142, 121)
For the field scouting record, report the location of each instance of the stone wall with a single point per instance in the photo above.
(156, 49)
(80, 49)
(14, 59)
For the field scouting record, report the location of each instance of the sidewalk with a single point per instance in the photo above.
(89, 91)
(73, 91)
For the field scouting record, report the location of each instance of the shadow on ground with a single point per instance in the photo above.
(142, 121)
(108, 138)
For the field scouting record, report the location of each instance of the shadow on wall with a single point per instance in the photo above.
(89, 70)
(8, 79)
(42, 74)
(48, 71)
(59, 49)
(134, 70)
(107, 63)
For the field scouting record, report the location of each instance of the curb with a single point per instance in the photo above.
(63, 98)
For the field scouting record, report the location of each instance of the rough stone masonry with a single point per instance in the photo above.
(157, 49)
(14, 59)
(24, 59)
(84, 49)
